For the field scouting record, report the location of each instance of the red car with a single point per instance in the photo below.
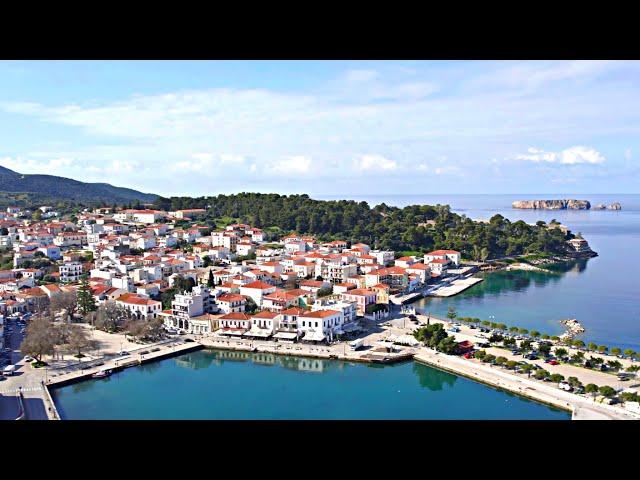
(554, 362)
(468, 355)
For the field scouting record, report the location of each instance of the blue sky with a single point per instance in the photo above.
(326, 127)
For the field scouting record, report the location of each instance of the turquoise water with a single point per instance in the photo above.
(602, 293)
(211, 384)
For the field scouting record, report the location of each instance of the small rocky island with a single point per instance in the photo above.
(613, 206)
(566, 204)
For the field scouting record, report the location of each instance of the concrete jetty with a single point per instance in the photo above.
(455, 287)
(163, 351)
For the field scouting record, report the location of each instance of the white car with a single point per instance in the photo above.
(28, 358)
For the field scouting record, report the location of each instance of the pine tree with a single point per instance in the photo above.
(210, 282)
(86, 302)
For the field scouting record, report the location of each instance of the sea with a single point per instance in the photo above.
(228, 385)
(602, 293)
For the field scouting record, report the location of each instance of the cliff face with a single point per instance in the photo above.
(569, 204)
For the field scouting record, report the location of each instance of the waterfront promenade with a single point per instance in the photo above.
(38, 404)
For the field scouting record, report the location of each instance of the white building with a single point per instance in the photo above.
(70, 272)
(140, 307)
(450, 255)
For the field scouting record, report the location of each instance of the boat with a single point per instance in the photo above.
(103, 373)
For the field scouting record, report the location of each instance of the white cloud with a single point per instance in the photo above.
(240, 133)
(570, 156)
(375, 162)
(30, 165)
(296, 164)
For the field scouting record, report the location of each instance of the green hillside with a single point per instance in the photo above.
(19, 189)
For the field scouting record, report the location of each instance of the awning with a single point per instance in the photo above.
(286, 335)
(231, 332)
(258, 333)
(351, 327)
(314, 336)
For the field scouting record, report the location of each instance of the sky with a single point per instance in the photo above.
(326, 127)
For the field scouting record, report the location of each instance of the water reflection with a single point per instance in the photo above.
(195, 361)
(496, 284)
(432, 379)
(205, 359)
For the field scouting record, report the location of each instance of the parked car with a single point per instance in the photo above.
(553, 362)
(28, 358)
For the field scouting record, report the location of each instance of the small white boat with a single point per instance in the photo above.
(105, 372)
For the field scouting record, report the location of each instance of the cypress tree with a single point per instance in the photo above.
(86, 302)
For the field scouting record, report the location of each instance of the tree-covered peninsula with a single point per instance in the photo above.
(412, 228)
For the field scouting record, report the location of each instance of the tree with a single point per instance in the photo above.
(67, 302)
(323, 292)
(574, 382)
(591, 388)
(544, 349)
(39, 339)
(615, 351)
(451, 313)
(628, 352)
(250, 306)
(210, 281)
(86, 301)
(110, 317)
(560, 352)
(432, 336)
(606, 391)
(555, 338)
(535, 333)
(207, 261)
(78, 340)
(614, 365)
(488, 358)
(525, 345)
(501, 361)
(511, 364)
(523, 331)
(578, 343)
(155, 329)
(541, 374)
(513, 329)
(592, 346)
(602, 348)
(136, 328)
(526, 368)
(480, 354)
(556, 377)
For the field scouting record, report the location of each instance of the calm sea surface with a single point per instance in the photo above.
(237, 385)
(603, 293)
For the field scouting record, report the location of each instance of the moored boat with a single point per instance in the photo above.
(105, 372)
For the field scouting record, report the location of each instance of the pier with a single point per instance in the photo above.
(163, 351)
(455, 287)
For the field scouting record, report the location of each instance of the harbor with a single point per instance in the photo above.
(380, 346)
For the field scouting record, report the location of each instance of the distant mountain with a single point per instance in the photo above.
(14, 185)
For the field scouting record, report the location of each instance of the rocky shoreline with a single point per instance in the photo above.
(573, 328)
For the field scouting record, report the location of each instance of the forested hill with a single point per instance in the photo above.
(24, 189)
(415, 227)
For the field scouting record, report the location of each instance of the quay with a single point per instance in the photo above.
(580, 408)
(165, 350)
(310, 351)
(455, 287)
